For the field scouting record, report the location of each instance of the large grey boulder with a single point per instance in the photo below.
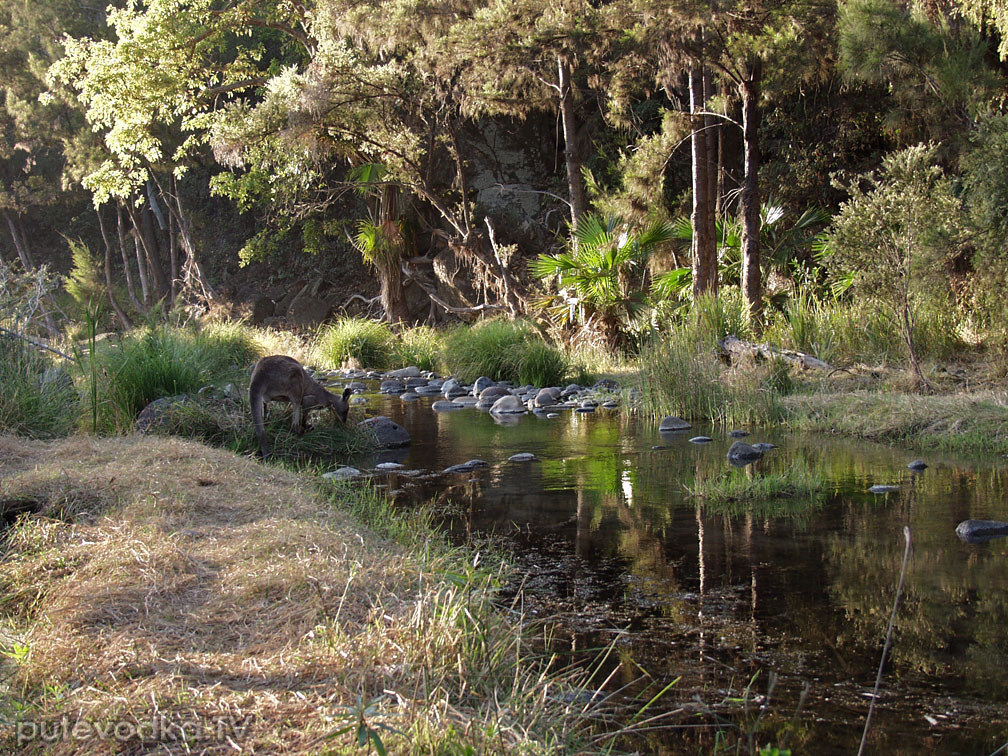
(490, 395)
(385, 432)
(307, 311)
(979, 531)
(157, 415)
(547, 397)
(481, 383)
(407, 372)
(508, 405)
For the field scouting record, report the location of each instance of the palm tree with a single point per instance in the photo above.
(787, 248)
(602, 277)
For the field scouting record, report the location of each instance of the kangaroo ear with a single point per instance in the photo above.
(346, 393)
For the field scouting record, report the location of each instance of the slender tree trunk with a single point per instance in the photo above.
(151, 244)
(192, 272)
(20, 240)
(20, 243)
(123, 318)
(712, 129)
(704, 252)
(752, 284)
(127, 268)
(572, 154)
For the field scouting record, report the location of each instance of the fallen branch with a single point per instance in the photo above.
(731, 345)
(36, 343)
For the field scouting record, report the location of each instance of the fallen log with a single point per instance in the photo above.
(733, 347)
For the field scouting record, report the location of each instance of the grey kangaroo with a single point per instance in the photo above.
(283, 379)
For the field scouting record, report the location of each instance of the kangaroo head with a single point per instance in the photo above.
(339, 405)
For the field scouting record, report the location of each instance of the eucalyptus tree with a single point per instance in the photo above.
(515, 57)
(663, 44)
(151, 89)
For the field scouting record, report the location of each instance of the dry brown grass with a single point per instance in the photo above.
(198, 587)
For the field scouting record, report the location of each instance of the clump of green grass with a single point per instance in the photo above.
(366, 342)
(34, 403)
(420, 346)
(502, 350)
(794, 492)
(164, 361)
(683, 377)
(841, 331)
(746, 484)
(227, 422)
(961, 422)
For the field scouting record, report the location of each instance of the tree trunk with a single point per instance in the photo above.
(572, 154)
(152, 247)
(28, 261)
(20, 243)
(192, 272)
(752, 284)
(704, 251)
(127, 269)
(712, 129)
(123, 318)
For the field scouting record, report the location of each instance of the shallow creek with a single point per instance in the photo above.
(609, 541)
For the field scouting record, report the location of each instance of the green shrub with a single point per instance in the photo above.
(165, 361)
(366, 341)
(34, 403)
(420, 346)
(502, 350)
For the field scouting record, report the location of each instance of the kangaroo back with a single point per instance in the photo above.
(280, 378)
(274, 378)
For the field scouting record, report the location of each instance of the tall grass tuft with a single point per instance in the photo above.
(366, 342)
(682, 375)
(420, 346)
(502, 350)
(164, 361)
(839, 331)
(37, 399)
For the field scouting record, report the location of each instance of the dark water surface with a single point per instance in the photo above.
(608, 539)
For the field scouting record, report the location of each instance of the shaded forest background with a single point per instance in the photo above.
(602, 165)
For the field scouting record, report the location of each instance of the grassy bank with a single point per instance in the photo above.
(174, 598)
(967, 422)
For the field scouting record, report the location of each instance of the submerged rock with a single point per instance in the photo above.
(508, 405)
(384, 432)
(443, 405)
(880, 488)
(764, 446)
(738, 433)
(523, 457)
(917, 465)
(742, 453)
(672, 423)
(465, 467)
(980, 531)
(701, 440)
